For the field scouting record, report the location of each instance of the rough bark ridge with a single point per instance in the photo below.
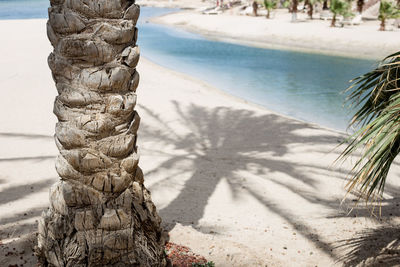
(100, 213)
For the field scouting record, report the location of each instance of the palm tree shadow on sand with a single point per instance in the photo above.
(373, 247)
(222, 142)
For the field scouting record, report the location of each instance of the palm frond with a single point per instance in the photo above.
(376, 98)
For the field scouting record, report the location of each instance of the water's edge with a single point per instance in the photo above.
(302, 86)
(305, 86)
(221, 37)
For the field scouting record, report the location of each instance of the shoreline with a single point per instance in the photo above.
(214, 89)
(224, 94)
(204, 25)
(213, 36)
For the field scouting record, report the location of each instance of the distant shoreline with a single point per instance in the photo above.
(262, 33)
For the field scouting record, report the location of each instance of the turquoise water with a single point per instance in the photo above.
(23, 9)
(301, 85)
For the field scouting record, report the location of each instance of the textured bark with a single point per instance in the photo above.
(100, 213)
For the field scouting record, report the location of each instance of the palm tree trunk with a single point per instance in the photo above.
(325, 5)
(294, 10)
(306, 2)
(100, 212)
(310, 10)
(255, 8)
(268, 13)
(333, 24)
(360, 5)
(383, 24)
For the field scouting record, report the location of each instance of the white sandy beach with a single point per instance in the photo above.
(238, 184)
(313, 36)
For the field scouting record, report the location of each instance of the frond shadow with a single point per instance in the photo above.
(16, 192)
(35, 158)
(220, 143)
(25, 135)
(372, 247)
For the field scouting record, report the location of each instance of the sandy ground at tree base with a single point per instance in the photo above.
(238, 184)
(313, 36)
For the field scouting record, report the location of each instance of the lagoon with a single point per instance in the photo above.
(305, 86)
(301, 85)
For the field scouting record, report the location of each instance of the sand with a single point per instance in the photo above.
(312, 36)
(238, 184)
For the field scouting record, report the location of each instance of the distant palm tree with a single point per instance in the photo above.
(339, 7)
(310, 4)
(100, 212)
(270, 5)
(387, 10)
(376, 96)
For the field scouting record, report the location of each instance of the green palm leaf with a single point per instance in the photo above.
(376, 98)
